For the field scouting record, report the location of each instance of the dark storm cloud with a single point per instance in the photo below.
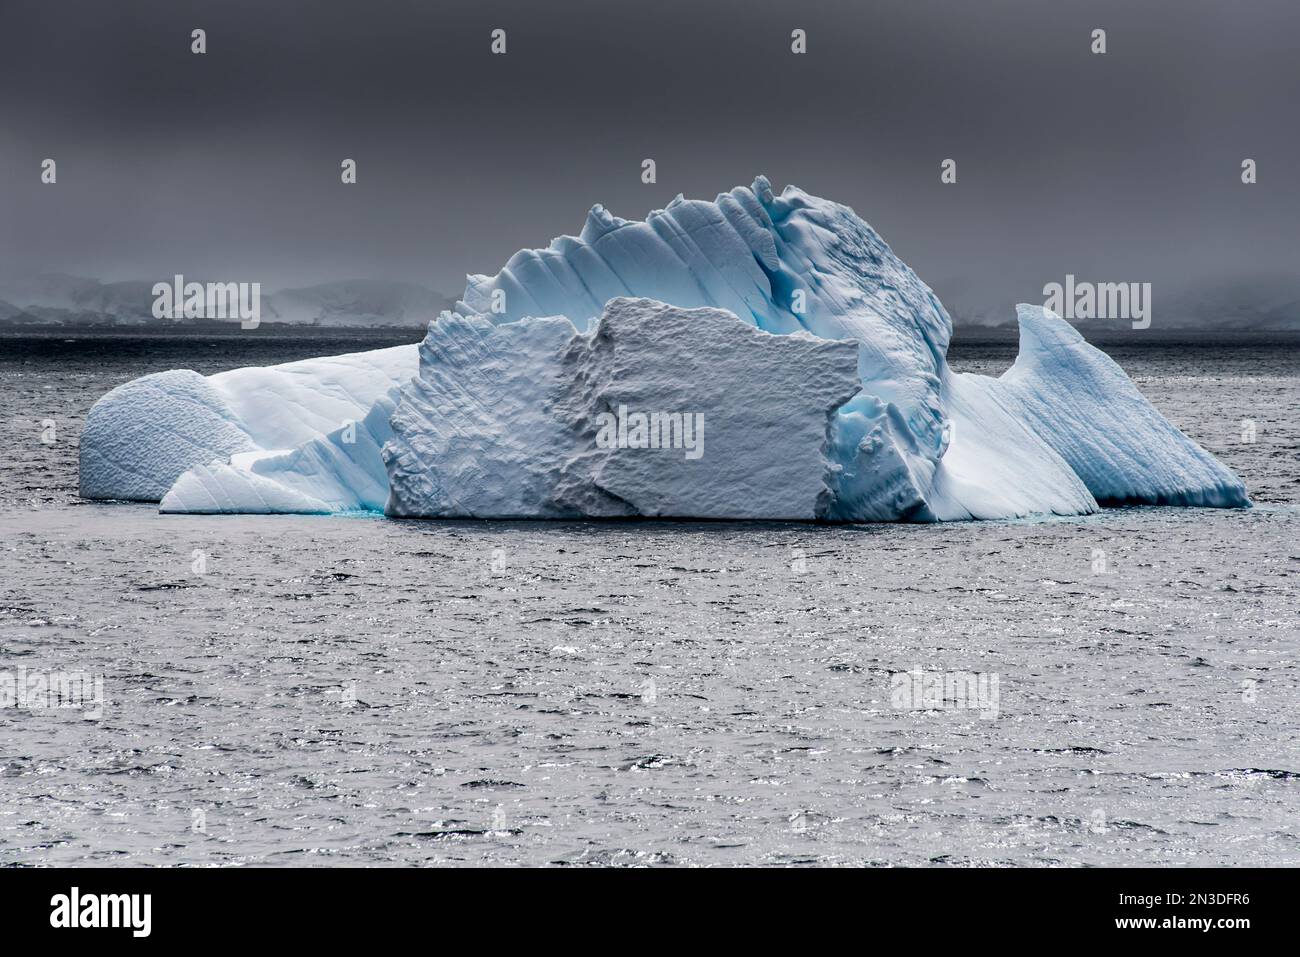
(1116, 167)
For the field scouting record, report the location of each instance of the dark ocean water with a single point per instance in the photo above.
(284, 690)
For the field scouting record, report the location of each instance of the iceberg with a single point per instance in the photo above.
(812, 358)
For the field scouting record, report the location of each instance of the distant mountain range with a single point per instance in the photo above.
(60, 300)
(1262, 304)
(55, 300)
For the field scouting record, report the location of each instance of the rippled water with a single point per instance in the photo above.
(283, 690)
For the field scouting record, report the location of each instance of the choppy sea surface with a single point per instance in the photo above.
(314, 690)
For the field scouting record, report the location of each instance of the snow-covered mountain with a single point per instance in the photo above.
(1256, 304)
(1250, 305)
(1263, 304)
(356, 303)
(58, 299)
(61, 300)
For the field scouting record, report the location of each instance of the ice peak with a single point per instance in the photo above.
(599, 222)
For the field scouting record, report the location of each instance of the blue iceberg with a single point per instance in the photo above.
(811, 357)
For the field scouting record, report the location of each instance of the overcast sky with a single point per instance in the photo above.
(1117, 167)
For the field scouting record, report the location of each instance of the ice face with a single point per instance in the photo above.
(784, 263)
(473, 433)
(737, 420)
(657, 411)
(484, 419)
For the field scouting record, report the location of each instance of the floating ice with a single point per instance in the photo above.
(142, 436)
(497, 413)
(702, 415)
(339, 472)
(1091, 413)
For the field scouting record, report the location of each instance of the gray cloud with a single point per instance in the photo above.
(1116, 167)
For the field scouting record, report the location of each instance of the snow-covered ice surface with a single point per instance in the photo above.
(1061, 431)
(1089, 411)
(285, 405)
(341, 471)
(144, 435)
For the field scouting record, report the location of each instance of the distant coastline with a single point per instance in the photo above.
(381, 336)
